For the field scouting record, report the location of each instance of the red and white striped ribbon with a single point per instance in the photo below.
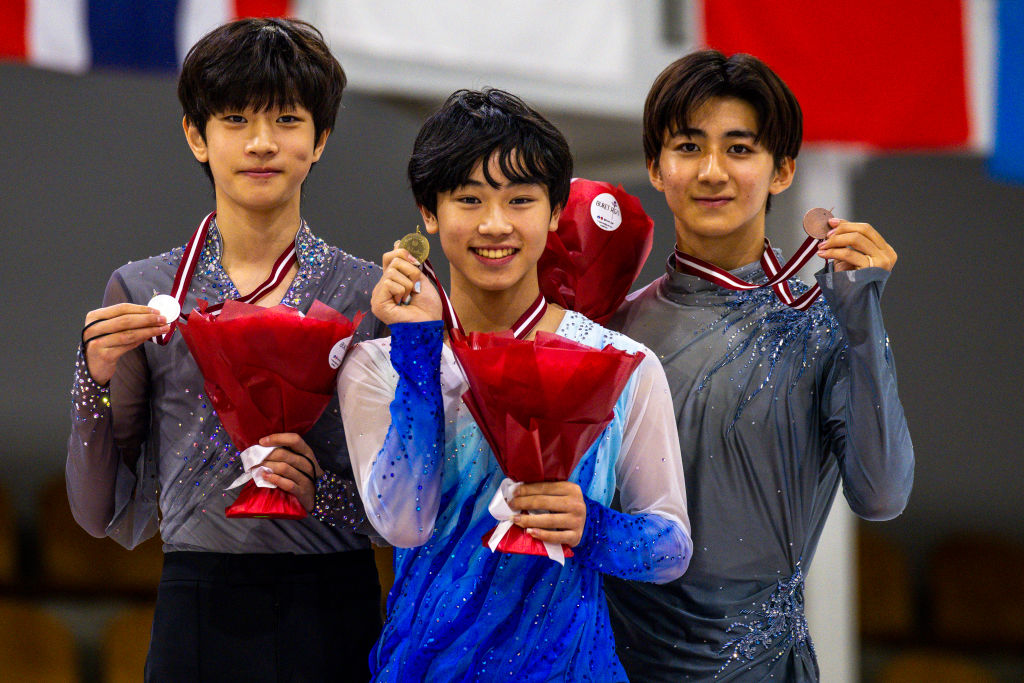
(520, 329)
(187, 268)
(778, 275)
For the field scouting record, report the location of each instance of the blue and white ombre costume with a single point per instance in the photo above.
(457, 611)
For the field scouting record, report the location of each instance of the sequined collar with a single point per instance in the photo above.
(311, 251)
(676, 286)
(213, 249)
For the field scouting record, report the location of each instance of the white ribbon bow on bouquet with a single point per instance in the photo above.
(499, 509)
(252, 462)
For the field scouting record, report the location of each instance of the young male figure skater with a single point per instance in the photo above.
(490, 176)
(774, 405)
(239, 599)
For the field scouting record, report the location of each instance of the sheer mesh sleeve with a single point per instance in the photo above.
(865, 423)
(650, 539)
(394, 423)
(108, 427)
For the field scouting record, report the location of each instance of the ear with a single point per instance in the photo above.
(654, 173)
(555, 215)
(429, 220)
(320, 144)
(783, 176)
(195, 141)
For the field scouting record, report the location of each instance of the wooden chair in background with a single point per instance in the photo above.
(933, 667)
(73, 560)
(125, 644)
(8, 541)
(976, 591)
(35, 645)
(885, 591)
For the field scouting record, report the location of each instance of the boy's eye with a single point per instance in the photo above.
(288, 118)
(739, 149)
(467, 199)
(234, 118)
(687, 147)
(521, 201)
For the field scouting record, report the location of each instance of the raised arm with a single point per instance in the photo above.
(392, 407)
(109, 409)
(650, 539)
(862, 415)
(394, 424)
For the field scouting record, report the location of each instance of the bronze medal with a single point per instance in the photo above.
(816, 223)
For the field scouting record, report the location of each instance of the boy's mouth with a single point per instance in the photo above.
(261, 172)
(712, 201)
(494, 253)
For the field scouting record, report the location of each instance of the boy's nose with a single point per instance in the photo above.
(495, 222)
(261, 141)
(711, 169)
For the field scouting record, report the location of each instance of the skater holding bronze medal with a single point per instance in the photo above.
(781, 390)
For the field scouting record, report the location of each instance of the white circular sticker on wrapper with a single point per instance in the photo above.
(605, 211)
(337, 353)
(167, 305)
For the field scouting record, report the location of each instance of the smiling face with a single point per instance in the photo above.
(717, 180)
(258, 159)
(493, 236)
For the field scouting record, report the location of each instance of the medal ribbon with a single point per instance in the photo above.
(778, 275)
(187, 268)
(520, 328)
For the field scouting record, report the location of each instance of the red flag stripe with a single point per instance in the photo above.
(876, 72)
(13, 28)
(262, 8)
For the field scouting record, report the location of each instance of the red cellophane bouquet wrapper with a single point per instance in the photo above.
(267, 370)
(591, 261)
(540, 404)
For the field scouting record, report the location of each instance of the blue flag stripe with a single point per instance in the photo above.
(1007, 160)
(133, 34)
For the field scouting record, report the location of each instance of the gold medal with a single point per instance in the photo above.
(416, 244)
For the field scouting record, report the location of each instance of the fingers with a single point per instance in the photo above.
(399, 254)
(401, 275)
(570, 538)
(856, 245)
(293, 467)
(561, 512)
(294, 451)
(125, 323)
(290, 480)
(401, 279)
(111, 332)
(118, 310)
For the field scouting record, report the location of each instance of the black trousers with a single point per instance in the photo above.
(278, 618)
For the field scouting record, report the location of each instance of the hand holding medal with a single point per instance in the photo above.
(399, 296)
(849, 246)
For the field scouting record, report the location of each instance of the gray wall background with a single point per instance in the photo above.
(94, 172)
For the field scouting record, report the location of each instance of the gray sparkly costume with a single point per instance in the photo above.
(773, 407)
(153, 433)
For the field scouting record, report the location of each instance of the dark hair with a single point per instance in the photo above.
(261, 63)
(689, 82)
(472, 126)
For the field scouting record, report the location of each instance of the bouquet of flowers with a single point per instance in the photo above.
(267, 370)
(540, 404)
(602, 242)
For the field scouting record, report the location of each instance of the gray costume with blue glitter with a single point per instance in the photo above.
(773, 407)
(149, 447)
